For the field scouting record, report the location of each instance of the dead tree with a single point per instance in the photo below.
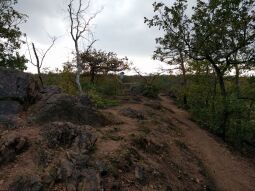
(148, 79)
(39, 61)
(80, 24)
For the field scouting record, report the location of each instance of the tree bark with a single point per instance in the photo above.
(185, 99)
(38, 65)
(92, 75)
(79, 68)
(237, 80)
(225, 114)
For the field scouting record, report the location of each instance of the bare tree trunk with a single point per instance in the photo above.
(79, 29)
(79, 68)
(225, 114)
(92, 75)
(185, 100)
(214, 91)
(237, 80)
(38, 65)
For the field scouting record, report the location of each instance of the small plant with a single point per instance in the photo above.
(150, 91)
(101, 102)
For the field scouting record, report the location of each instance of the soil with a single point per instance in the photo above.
(162, 150)
(228, 170)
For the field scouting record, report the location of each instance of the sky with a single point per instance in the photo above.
(118, 28)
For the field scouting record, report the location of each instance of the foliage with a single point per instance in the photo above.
(217, 38)
(101, 102)
(150, 91)
(172, 46)
(100, 62)
(10, 36)
(174, 23)
(205, 104)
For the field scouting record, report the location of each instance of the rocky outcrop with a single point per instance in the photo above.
(18, 86)
(66, 135)
(71, 169)
(57, 106)
(10, 146)
(26, 183)
(18, 90)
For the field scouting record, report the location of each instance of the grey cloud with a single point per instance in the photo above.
(119, 27)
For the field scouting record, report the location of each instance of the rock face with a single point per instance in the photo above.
(60, 134)
(26, 183)
(17, 91)
(71, 169)
(10, 107)
(57, 106)
(10, 146)
(18, 86)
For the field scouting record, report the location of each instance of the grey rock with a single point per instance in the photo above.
(10, 146)
(63, 107)
(50, 90)
(8, 121)
(71, 186)
(10, 107)
(26, 183)
(18, 90)
(65, 169)
(65, 134)
(102, 168)
(13, 84)
(18, 86)
(90, 182)
(129, 112)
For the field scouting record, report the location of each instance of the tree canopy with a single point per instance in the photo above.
(10, 36)
(219, 33)
(98, 61)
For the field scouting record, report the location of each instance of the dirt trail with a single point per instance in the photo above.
(148, 145)
(229, 172)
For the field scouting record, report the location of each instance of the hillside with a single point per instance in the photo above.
(62, 143)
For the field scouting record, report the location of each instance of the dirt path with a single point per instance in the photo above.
(229, 172)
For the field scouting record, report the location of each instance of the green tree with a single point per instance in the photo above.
(10, 36)
(220, 32)
(98, 61)
(223, 34)
(172, 47)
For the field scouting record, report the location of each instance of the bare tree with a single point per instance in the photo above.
(39, 59)
(149, 78)
(80, 23)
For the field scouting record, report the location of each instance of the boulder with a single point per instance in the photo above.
(18, 90)
(26, 183)
(18, 86)
(10, 107)
(66, 108)
(64, 134)
(10, 146)
(90, 181)
(8, 121)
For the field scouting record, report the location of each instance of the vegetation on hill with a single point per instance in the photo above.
(10, 36)
(88, 127)
(211, 50)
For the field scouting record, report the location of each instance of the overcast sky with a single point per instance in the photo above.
(119, 28)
